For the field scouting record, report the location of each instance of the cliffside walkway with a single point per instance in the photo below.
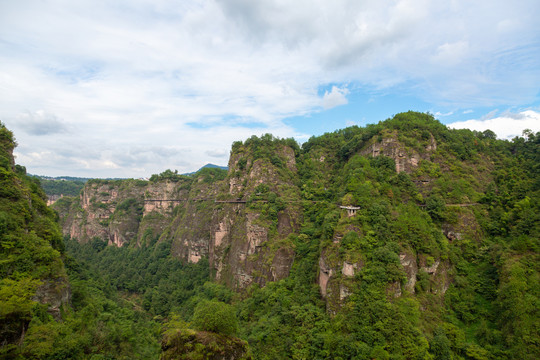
(201, 199)
(351, 210)
(457, 205)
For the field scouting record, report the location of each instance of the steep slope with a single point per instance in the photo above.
(32, 274)
(251, 240)
(42, 314)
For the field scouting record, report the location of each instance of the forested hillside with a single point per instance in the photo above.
(51, 306)
(398, 240)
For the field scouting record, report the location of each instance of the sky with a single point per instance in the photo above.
(129, 88)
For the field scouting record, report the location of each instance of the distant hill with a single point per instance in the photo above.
(72, 185)
(212, 166)
(61, 178)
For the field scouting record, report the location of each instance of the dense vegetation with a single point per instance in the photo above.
(468, 213)
(34, 272)
(62, 187)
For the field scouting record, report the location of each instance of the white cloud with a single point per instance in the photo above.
(450, 54)
(217, 153)
(40, 123)
(506, 126)
(336, 97)
(438, 113)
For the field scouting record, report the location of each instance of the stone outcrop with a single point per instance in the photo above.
(242, 223)
(408, 261)
(438, 272)
(406, 159)
(338, 268)
(56, 293)
(466, 226)
(337, 272)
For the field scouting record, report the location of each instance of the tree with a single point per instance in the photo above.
(435, 207)
(488, 134)
(215, 316)
(440, 346)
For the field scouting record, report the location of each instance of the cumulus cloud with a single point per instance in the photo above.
(506, 126)
(336, 97)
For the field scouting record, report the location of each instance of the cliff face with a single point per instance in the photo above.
(249, 242)
(121, 211)
(240, 221)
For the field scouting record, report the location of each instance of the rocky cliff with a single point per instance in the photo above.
(243, 220)
(240, 219)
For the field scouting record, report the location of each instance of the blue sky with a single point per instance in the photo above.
(131, 88)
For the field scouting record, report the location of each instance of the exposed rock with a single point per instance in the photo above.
(256, 234)
(243, 245)
(221, 232)
(440, 279)
(246, 246)
(406, 159)
(287, 153)
(394, 289)
(344, 292)
(466, 226)
(56, 293)
(336, 275)
(408, 261)
(325, 273)
(433, 268)
(281, 264)
(452, 236)
(349, 269)
(51, 199)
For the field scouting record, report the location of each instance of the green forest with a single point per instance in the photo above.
(440, 260)
(62, 187)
